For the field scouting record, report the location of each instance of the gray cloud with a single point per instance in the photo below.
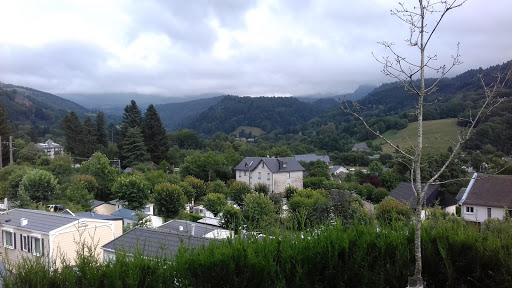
(263, 47)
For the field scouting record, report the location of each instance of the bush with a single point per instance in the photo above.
(215, 202)
(261, 188)
(390, 211)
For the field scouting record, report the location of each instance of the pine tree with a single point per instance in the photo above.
(101, 133)
(133, 150)
(155, 135)
(5, 132)
(132, 117)
(89, 138)
(73, 132)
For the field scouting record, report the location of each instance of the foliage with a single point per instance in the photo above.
(237, 192)
(317, 168)
(261, 188)
(11, 177)
(207, 167)
(155, 136)
(133, 150)
(169, 199)
(231, 218)
(309, 207)
(215, 202)
(217, 187)
(39, 185)
(198, 186)
(79, 195)
(390, 211)
(101, 132)
(72, 128)
(375, 168)
(389, 179)
(258, 212)
(29, 154)
(132, 190)
(289, 191)
(99, 167)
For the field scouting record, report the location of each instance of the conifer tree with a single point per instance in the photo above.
(101, 133)
(5, 132)
(155, 135)
(73, 132)
(132, 117)
(133, 150)
(89, 138)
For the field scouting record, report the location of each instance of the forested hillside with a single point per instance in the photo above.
(173, 114)
(267, 113)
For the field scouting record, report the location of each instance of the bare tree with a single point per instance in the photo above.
(423, 21)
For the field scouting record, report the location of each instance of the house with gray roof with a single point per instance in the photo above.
(131, 216)
(361, 147)
(151, 243)
(276, 173)
(312, 157)
(34, 233)
(486, 197)
(195, 229)
(51, 148)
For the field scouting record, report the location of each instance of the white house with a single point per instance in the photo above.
(486, 197)
(51, 148)
(276, 173)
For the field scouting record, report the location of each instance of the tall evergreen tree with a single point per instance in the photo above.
(101, 133)
(132, 117)
(89, 138)
(155, 135)
(133, 150)
(5, 132)
(73, 132)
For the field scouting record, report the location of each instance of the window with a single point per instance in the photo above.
(245, 173)
(268, 176)
(288, 175)
(470, 209)
(37, 246)
(259, 175)
(263, 165)
(25, 243)
(239, 174)
(8, 237)
(489, 210)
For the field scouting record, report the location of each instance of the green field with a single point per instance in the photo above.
(254, 130)
(436, 136)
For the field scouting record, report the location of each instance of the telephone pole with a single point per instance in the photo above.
(10, 150)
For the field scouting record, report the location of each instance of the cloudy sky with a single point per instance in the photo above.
(242, 47)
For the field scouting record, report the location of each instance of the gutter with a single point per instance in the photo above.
(468, 189)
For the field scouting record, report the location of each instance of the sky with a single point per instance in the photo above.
(239, 47)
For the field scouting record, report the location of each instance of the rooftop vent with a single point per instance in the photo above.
(181, 228)
(23, 221)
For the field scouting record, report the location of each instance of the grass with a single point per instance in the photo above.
(254, 130)
(436, 136)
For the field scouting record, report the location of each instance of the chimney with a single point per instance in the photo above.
(193, 229)
(23, 221)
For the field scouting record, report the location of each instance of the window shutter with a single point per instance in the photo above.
(14, 240)
(42, 247)
(29, 244)
(21, 241)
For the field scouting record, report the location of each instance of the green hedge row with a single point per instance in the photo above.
(455, 254)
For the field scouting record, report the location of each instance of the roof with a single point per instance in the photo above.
(490, 190)
(460, 194)
(153, 242)
(405, 194)
(335, 168)
(37, 220)
(127, 214)
(48, 144)
(312, 157)
(361, 147)
(209, 221)
(276, 165)
(96, 203)
(198, 229)
(92, 215)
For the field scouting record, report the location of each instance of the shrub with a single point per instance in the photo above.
(390, 210)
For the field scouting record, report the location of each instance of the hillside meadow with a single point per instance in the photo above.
(437, 134)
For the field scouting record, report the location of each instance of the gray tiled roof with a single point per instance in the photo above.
(405, 194)
(96, 203)
(361, 147)
(491, 190)
(153, 242)
(199, 229)
(127, 214)
(40, 221)
(48, 144)
(274, 164)
(92, 215)
(312, 157)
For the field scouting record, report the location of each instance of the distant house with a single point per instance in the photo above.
(118, 221)
(35, 233)
(486, 197)
(51, 148)
(149, 209)
(195, 229)
(130, 217)
(361, 147)
(276, 173)
(150, 243)
(337, 170)
(103, 208)
(312, 157)
(404, 193)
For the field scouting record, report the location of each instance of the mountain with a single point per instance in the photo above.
(359, 93)
(43, 97)
(267, 113)
(173, 114)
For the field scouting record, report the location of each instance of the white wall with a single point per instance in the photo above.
(480, 213)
